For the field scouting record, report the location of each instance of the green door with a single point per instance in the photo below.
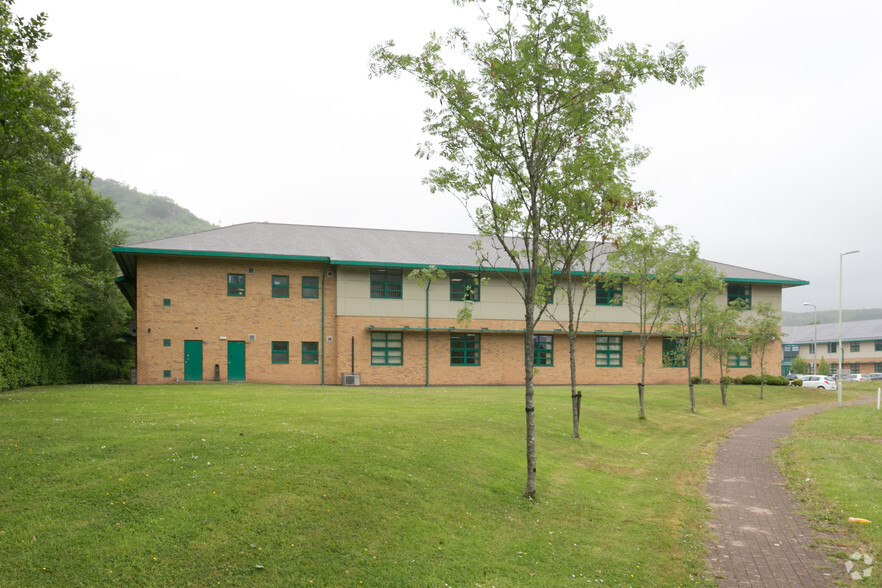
(236, 361)
(192, 361)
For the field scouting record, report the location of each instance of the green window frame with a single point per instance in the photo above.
(309, 352)
(235, 284)
(385, 283)
(465, 349)
(166, 373)
(280, 286)
(280, 352)
(543, 350)
(674, 352)
(309, 287)
(740, 292)
(607, 296)
(832, 346)
(608, 351)
(738, 360)
(877, 368)
(465, 286)
(166, 301)
(855, 368)
(878, 345)
(166, 342)
(387, 348)
(811, 348)
(855, 347)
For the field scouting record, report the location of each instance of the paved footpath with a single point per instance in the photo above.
(760, 538)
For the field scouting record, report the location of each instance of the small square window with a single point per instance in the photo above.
(674, 352)
(166, 342)
(166, 373)
(280, 286)
(280, 352)
(855, 347)
(309, 352)
(309, 287)
(608, 296)
(235, 284)
(166, 301)
(386, 348)
(736, 292)
(465, 286)
(465, 349)
(832, 346)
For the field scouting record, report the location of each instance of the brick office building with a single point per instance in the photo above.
(300, 304)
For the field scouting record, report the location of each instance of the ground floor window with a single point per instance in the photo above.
(386, 348)
(309, 352)
(608, 351)
(465, 349)
(877, 369)
(543, 350)
(280, 352)
(855, 368)
(738, 360)
(674, 352)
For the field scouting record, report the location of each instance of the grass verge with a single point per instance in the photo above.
(307, 486)
(833, 463)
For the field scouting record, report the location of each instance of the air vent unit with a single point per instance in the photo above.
(252, 338)
(352, 379)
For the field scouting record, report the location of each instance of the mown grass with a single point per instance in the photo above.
(306, 486)
(833, 463)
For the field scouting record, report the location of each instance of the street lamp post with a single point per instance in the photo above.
(839, 373)
(815, 340)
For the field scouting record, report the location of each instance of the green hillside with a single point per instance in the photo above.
(797, 319)
(145, 217)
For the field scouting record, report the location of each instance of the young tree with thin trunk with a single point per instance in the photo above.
(644, 267)
(540, 101)
(691, 298)
(764, 328)
(721, 339)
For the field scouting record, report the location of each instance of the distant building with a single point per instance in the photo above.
(300, 304)
(861, 345)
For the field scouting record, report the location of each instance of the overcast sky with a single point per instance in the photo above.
(263, 111)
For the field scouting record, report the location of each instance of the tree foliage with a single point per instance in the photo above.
(764, 329)
(61, 317)
(538, 121)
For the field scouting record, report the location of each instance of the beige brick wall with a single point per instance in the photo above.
(201, 310)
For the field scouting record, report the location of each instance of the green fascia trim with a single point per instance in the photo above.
(486, 330)
(226, 254)
(782, 282)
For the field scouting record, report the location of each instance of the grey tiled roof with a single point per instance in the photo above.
(342, 245)
(829, 332)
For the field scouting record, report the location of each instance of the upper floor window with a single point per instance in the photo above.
(855, 346)
(235, 284)
(735, 292)
(608, 296)
(543, 350)
(465, 286)
(878, 344)
(811, 348)
(309, 287)
(280, 286)
(832, 346)
(385, 283)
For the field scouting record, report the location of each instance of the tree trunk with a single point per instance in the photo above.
(571, 337)
(723, 387)
(691, 388)
(530, 488)
(640, 395)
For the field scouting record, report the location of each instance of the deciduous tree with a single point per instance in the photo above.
(541, 100)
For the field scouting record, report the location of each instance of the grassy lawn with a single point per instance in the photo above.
(834, 464)
(306, 486)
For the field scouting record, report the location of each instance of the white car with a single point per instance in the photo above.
(820, 382)
(857, 378)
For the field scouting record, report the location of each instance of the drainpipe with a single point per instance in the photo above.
(428, 285)
(324, 273)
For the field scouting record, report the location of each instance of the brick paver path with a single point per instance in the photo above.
(761, 539)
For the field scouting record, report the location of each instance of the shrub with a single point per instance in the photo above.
(796, 382)
(772, 380)
(751, 380)
(696, 380)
